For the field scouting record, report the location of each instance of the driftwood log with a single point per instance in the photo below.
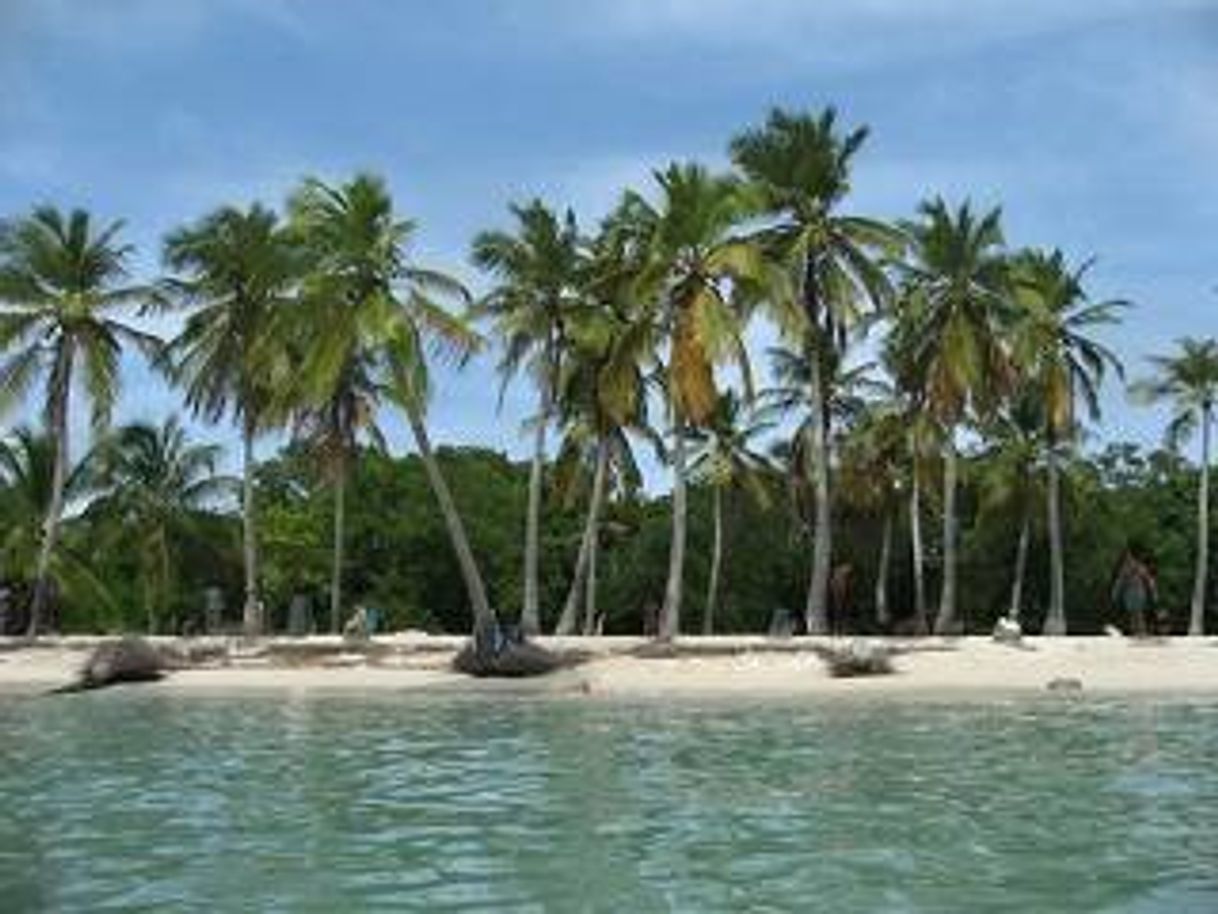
(129, 659)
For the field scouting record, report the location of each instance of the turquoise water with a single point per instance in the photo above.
(136, 801)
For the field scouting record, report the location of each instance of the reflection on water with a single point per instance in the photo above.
(126, 800)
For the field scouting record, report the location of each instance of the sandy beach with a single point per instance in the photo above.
(632, 667)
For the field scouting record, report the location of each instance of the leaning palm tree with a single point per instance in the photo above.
(694, 261)
(1188, 379)
(957, 304)
(798, 166)
(235, 268)
(27, 471)
(724, 458)
(602, 398)
(352, 242)
(532, 305)
(61, 285)
(1051, 348)
(380, 314)
(155, 482)
(1007, 478)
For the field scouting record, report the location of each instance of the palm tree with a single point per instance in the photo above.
(61, 282)
(1062, 363)
(1188, 379)
(957, 302)
(380, 313)
(531, 307)
(156, 482)
(693, 263)
(842, 395)
(27, 470)
(724, 458)
(874, 459)
(602, 397)
(236, 268)
(1007, 479)
(798, 167)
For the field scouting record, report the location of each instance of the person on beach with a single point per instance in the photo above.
(1133, 592)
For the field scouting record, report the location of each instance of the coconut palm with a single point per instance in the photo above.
(798, 166)
(874, 461)
(602, 398)
(1007, 480)
(381, 313)
(235, 268)
(694, 262)
(956, 306)
(1188, 379)
(27, 470)
(62, 283)
(1062, 364)
(155, 482)
(534, 301)
(724, 458)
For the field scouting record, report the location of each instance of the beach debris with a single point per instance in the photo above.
(856, 658)
(130, 659)
(1113, 632)
(499, 650)
(1067, 684)
(1008, 631)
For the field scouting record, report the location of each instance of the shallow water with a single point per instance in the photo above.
(137, 801)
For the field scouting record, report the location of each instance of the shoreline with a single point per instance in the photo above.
(628, 667)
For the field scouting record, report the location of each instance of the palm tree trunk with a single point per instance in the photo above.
(919, 556)
(670, 613)
(1196, 620)
(252, 614)
(570, 611)
(62, 387)
(816, 615)
(1055, 621)
(946, 618)
(484, 616)
(712, 587)
(336, 572)
(882, 616)
(530, 620)
(590, 585)
(1021, 564)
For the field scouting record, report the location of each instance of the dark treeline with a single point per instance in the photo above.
(932, 489)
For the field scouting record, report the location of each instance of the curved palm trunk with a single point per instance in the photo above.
(62, 386)
(882, 616)
(587, 545)
(1196, 620)
(1021, 564)
(1055, 621)
(945, 621)
(252, 620)
(919, 556)
(484, 616)
(670, 613)
(530, 617)
(336, 571)
(712, 587)
(816, 615)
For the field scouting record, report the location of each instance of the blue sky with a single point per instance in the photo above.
(1094, 123)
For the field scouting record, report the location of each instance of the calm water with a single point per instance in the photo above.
(126, 800)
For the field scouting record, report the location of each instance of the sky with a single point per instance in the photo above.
(1093, 123)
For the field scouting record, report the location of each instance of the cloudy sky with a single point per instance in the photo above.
(1094, 123)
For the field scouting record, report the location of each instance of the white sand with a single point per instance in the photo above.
(967, 667)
